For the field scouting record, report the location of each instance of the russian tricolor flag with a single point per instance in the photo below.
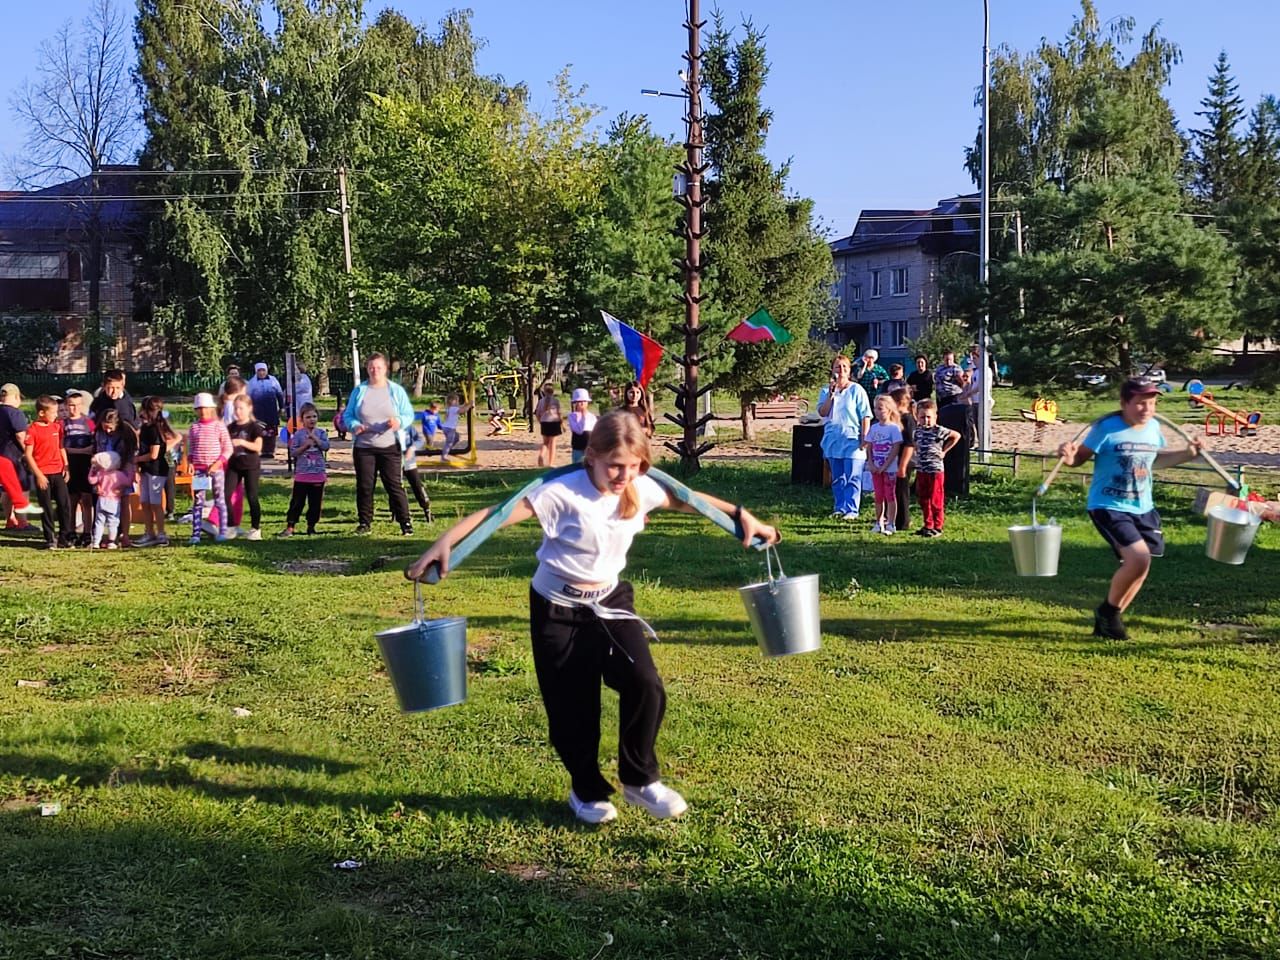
(643, 353)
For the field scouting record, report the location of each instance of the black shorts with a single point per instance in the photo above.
(1122, 529)
(551, 428)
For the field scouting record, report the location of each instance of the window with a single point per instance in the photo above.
(873, 335)
(31, 266)
(898, 331)
(855, 293)
(898, 281)
(875, 284)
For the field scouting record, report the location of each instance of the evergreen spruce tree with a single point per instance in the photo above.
(1217, 150)
(762, 245)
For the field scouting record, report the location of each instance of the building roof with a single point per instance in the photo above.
(63, 207)
(953, 220)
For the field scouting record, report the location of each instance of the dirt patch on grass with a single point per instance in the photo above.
(323, 565)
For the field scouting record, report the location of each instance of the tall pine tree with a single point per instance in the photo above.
(1217, 152)
(762, 245)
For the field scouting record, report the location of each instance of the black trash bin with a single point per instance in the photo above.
(806, 453)
(956, 463)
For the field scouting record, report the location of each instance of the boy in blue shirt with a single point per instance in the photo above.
(1128, 447)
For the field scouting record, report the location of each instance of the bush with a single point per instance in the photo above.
(29, 341)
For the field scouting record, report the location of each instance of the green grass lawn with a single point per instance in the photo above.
(961, 772)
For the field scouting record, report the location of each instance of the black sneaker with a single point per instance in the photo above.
(406, 530)
(363, 530)
(1111, 627)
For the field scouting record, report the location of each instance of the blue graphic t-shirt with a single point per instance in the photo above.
(1124, 457)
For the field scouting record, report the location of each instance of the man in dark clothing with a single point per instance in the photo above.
(920, 380)
(114, 396)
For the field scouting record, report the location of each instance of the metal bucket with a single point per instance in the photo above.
(427, 660)
(1230, 534)
(783, 612)
(1035, 549)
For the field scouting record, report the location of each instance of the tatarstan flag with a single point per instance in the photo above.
(759, 328)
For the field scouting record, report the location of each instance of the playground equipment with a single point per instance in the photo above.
(515, 385)
(1243, 423)
(1042, 413)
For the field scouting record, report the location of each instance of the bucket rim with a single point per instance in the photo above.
(418, 624)
(1225, 514)
(1022, 528)
(798, 578)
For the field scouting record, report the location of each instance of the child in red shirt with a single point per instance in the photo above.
(48, 464)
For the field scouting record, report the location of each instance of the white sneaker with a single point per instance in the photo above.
(659, 799)
(30, 510)
(595, 811)
(877, 527)
(890, 529)
(254, 534)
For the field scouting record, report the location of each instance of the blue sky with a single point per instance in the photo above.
(873, 102)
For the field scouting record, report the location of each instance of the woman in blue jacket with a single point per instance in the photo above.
(378, 415)
(844, 406)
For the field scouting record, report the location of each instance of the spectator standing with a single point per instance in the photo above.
(245, 467)
(47, 461)
(114, 396)
(897, 380)
(378, 413)
(309, 444)
(883, 443)
(77, 439)
(847, 410)
(209, 450)
(636, 402)
(303, 392)
(920, 380)
(932, 441)
(972, 394)
(268, 399)
(948, 379)
(13, 444)
(154, 442)
(902, 521)
(581, 422)
(550, 425)
(114, 434)
(111, 485)
(869, 374)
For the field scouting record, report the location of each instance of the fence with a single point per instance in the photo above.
(1194, 474)
(33, 383)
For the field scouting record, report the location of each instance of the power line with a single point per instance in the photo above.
(67, 198)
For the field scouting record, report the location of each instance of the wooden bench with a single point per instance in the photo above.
(785, 409)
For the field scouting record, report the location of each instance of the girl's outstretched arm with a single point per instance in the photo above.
(438, 552)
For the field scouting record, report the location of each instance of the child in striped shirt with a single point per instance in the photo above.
(208, 448)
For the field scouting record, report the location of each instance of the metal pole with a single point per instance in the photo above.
(345, 209)
(984, 254)
(693, 240)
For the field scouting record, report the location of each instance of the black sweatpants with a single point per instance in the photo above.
(903, 489)
(419, 491)
(572, 653)
(387, 463)
(55, 493)
(312, 494)
(250, 479)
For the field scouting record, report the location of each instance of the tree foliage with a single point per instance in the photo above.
(1217, 152)
(1114, 269)
(763, 247)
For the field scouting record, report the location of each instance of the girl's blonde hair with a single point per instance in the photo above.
(886, 402)
(620, 432)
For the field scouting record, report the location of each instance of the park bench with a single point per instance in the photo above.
(785, 409)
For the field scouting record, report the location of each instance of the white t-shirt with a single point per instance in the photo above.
(582, 422)
(450, 419)
(584, 540)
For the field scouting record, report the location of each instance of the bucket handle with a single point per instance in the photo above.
(771, 551)
(419, 614)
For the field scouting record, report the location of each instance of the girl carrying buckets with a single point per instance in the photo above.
(583, 619)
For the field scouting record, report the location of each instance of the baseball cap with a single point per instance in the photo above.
(11, 390)
(1138, 387)
(203, 400)
(259, 366)
(580, 395)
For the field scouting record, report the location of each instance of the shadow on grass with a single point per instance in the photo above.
(233, 888)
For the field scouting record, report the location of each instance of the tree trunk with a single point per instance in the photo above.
(322, 378)
(419, 376)
(748, 422)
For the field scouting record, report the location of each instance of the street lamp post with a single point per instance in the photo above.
(984, 248)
